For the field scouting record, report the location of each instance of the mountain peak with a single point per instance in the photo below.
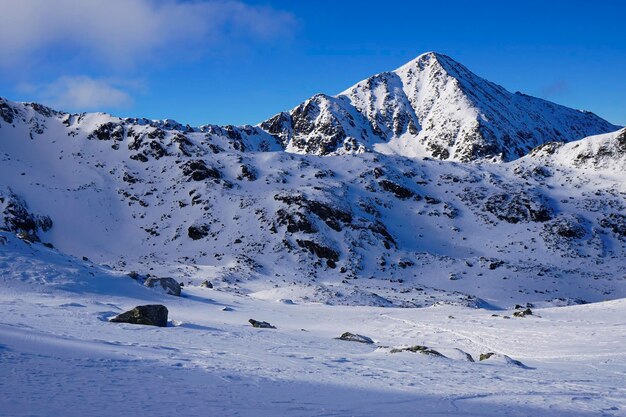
(427, 59)
(434, 106)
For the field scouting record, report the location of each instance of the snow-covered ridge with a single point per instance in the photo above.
(228, 204)
(601, 152)
(431, 106)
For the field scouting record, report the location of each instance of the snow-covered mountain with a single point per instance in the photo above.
(426, 186)
(432, 106)
(229, 205)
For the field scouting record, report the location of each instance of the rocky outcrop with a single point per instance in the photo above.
(198, 231)
(519, 207)
(168, 285)
(15, 217)
(261, 324)
(523, 313)
(616, 222)
(502, 359)
(352, 337)
(149, 315)
(418, 349)
(199, 171)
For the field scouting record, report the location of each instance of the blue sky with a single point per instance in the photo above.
(243, 61)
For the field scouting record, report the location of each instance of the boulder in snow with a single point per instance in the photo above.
(503, 359)
(149, 315)
(261, 324)
(169, 285)
(351, 337)
(418, 349)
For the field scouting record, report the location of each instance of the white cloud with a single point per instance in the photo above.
(83, 93)
(126, 32)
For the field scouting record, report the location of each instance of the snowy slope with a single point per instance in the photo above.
(432, 106)
(597, 153)
(366, 229)
(60, 356)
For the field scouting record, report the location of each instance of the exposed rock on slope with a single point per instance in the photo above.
(607, 151)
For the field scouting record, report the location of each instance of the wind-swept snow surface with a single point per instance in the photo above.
(60, 356)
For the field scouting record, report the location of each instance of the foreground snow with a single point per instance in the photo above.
(60, 356)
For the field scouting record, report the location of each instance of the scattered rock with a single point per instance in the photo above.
(169, 285)
(261, 324)
(206, 284)
(417, 349)
(198, 231)
(199, 171)
(519, 207)
(397, 190)
(523, 313)
(318, 250)
(616, 222)
(503, 359)
(149, 315)
(134, 275)
(351, 337)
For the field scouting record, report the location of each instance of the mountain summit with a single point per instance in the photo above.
(432, 106)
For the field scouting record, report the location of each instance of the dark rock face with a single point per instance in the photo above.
(248, 173)
(16, 217)
(399, 191)
(198, 231)
(318, 250)
(198, 171)
(149, 315)
(261, 324)
(621, 141)
(108, 131)
(7, 112)
(295, 221)
(329, 134)
(518, 207)
(334, 217)
(169, 285)
(352, 337)
(418, 349)
(279, 126)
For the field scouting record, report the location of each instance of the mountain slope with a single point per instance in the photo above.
(432, 106)
(601, 152)
(369, 229)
